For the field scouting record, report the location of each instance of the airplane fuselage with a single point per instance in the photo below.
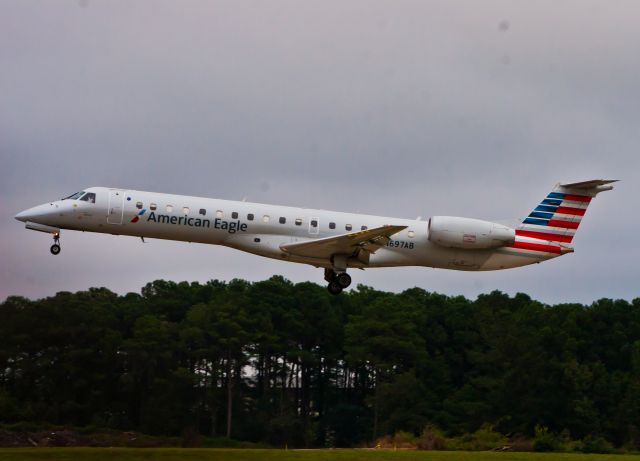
(263, 229)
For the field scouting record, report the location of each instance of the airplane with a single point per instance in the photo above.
(331, 240)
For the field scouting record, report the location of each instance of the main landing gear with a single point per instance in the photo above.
(338, 281)
(55, 248)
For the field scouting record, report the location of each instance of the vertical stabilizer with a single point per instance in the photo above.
(560, 213)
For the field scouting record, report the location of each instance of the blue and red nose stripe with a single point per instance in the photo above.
(136, 218)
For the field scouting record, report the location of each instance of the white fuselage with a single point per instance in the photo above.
(261, 229)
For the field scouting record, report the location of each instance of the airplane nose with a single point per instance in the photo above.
(36, 214)
(25, 215)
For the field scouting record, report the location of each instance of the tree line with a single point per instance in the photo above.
(283, 363)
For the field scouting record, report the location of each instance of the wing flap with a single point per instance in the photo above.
(369, 240)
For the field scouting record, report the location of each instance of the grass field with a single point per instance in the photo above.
(197, 454)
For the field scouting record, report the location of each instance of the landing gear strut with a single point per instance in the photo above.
(55, 248)
(338, 281)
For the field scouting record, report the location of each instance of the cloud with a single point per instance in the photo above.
(393, 108)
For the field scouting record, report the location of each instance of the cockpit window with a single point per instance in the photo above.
(75, 196)
(89, 197)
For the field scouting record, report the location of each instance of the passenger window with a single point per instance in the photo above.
(234, 215)
(219, 214)
(169, 208)
(314, 223)
(250, 217)
(282, 220)
(203, 212)
(265, 218)
(298, 222)
(411, 234)
(348, 227)
(89, 197)
(139, 205)
(332, 225)
(363, 228)
(153, 206)
(186, 210)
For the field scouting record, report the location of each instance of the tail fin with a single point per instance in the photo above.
(558, 216)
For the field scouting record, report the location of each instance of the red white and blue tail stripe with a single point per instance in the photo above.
(555, 220)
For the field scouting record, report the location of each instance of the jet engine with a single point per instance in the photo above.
(467, 233)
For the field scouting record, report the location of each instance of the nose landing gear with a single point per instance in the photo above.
(338, 281)
(55, 248)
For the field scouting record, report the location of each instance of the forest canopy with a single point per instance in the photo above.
(277, 362)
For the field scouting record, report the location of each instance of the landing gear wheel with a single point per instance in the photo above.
(334, 287)
(343, 279)
(55, 248)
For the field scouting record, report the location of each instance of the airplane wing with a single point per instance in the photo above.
(369, 240)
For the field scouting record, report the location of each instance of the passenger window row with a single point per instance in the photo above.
(250, 217)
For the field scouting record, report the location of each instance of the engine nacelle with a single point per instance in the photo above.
(467, 233)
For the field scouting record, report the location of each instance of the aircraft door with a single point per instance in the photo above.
(116, 206)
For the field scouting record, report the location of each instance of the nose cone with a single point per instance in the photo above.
(37, 214)
(25, 215)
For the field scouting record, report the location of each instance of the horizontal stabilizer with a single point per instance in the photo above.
(593, 184)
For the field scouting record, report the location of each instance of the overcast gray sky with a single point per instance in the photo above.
(399, 108)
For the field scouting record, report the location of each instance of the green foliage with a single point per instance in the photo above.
(282, 363)
(485, 438)
(240, 454)
(285, 430)
(404, 439)
(223, 442)
(595, 444)
(545, 440)
(431, 438)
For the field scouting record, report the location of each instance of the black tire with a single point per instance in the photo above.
(334, 288)
(343, 279)
(55, 249)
